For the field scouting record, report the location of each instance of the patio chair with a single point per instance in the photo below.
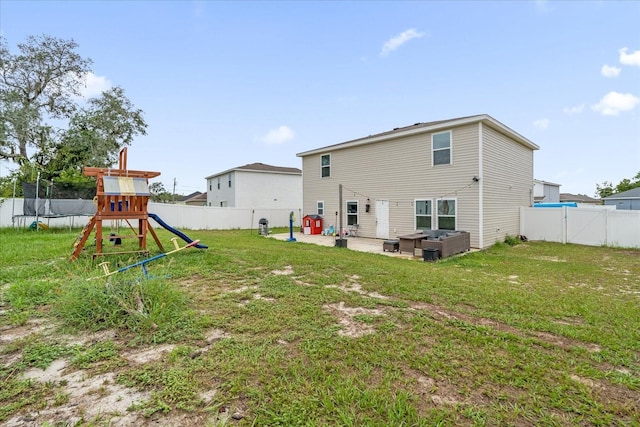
(353, 230)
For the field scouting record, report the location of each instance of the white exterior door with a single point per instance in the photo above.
(382, 219)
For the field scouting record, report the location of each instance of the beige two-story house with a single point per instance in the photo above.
(468, 173)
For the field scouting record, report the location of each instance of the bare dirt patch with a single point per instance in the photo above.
(288, 270)
(353, 286)
(346, 317)
(32, 327)
(89, 398)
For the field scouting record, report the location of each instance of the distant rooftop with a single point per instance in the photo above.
(260, 167)
(579, 198)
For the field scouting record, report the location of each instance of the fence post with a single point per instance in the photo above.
(606, 228)
(564, 224)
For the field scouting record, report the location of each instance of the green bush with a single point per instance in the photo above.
(511, 240)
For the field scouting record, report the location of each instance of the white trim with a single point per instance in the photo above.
(346, 211)
(480, 187)
(441, 149)
(415, 202)
(324, 166)
(323, 209)
(437, 215)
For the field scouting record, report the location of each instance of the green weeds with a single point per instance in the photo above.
(531, 333)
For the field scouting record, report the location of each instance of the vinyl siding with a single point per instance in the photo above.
(268, 190)
(225, 194)
(251, 189)
(399, 171)
(507, 184)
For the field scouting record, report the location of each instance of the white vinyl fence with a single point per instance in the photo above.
(178, 216)
(583, 226)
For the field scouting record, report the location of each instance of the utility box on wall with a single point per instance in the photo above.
(312, 224)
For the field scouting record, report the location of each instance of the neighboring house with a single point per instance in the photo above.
(579, 198)
(183, 199)
(469, 173)
(199, 199)
(256, 186)
(628, 200)
(545, 192)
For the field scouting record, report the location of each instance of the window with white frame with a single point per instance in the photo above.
(320, 210)
(325, 163)
(218, 183)
(229, 180)
(441, 148)
(447, 214)
(352, 212)
(423, 214)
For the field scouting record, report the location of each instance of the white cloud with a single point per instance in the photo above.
(632, 58)
(614, 103)
(94, 85)
(542, 123)
(574, 110)
(543, 6)
(397, 41)
(609, 71)
(278, 136)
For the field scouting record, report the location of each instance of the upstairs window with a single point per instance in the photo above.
(218, 183)
(441, 148)
(325, 162)
(229, 180)
(447, 214)
(423, 214)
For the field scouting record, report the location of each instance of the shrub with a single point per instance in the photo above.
(154, 309)
(511, 240)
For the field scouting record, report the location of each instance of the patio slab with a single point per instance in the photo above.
(361, 244)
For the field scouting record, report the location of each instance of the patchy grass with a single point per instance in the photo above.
(255, 331)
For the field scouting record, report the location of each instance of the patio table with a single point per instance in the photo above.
(409, 242)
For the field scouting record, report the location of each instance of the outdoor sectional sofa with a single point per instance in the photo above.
(449, 243)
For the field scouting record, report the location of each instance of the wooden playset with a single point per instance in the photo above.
(121, 194)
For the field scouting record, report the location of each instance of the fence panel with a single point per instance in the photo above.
(587, 226)
(583, 226)
(542, 224)
(178, 216)
(624, 232)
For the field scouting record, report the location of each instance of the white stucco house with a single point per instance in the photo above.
(468, 173)
(256, 185)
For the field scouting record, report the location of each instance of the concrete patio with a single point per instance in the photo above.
(361, 244)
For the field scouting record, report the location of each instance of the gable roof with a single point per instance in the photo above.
(190, 196)
(580, 198)
(197, 197)
(434, 126)
(634, 193)
(260, 167)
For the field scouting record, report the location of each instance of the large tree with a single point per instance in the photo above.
(45, 124)
(37, 84)
(97, 132)
(606, 189)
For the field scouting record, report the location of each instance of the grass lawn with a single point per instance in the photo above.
(256, 331)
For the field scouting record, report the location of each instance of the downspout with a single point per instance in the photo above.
(480, 189)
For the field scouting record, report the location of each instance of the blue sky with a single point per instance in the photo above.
(224, 84)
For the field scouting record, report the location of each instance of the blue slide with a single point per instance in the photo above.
(178, 233)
